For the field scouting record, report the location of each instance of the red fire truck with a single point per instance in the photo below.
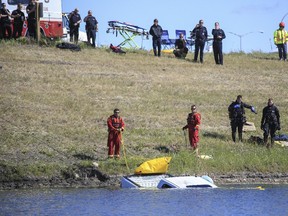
(51, 24)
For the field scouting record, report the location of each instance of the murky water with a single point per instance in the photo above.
(226, 200)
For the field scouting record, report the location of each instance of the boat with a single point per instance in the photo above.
(152, 175)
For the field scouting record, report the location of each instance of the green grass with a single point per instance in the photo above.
(54, 105)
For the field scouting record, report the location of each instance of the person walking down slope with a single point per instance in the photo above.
(218, 36)
(115, 127)
(200, 34)
(156, 32)
(237, 116)
(270, 122)
(193, 126)
(91, 28)
(280, 40)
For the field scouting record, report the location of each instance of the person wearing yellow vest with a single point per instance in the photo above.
(280, 40)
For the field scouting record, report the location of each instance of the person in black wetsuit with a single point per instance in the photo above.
(270, 122)
(237, 116)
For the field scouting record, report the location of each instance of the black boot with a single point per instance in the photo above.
(240, 137)
(234, 137)
(266, 141)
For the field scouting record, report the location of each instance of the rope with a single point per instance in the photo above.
(185, 136)
(124, 153)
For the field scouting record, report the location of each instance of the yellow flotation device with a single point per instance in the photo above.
(155, 166)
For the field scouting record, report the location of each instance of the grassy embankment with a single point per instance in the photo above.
(54, 105)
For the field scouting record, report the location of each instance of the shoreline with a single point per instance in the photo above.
(114, 181)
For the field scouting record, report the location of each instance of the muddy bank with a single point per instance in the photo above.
(95, 179)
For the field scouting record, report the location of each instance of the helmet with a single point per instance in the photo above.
(281, 24)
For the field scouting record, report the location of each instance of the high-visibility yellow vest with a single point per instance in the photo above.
(280, 36)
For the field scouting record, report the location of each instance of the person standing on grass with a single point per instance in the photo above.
(270, 122)
(201, 34)
(156, 32)
(193, 126)
(218, 36)
(31, 11)
(74, 24)
(19, 19)
(115, 127)
(91, 28)
(5, 22)
(280, 40)
(237, 116)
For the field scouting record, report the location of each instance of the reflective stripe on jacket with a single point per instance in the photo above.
(280, 36)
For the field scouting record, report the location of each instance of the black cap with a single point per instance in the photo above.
(116, 110)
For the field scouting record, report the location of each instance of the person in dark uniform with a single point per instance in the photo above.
(5, 22)
(156, 32)
(237, 116)
(31, 11)
(74, 24)
(200, 34)
(91, 28)
(180, 47)
(270, 122)
(218, 36)
(19, 19)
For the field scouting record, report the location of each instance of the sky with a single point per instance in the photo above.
(256, 20)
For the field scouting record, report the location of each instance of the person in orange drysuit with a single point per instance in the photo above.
(193, 125)
(115, 126)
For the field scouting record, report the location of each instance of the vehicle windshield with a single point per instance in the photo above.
(15, 2)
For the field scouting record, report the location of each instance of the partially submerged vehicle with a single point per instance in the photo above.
(152, 174)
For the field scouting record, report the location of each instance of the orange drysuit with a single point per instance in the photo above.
(115, 126)
(193, 125)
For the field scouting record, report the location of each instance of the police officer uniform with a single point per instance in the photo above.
(218, 36)
(5, 22)
(31, 11)
(19, 19)
(156, 32)
(200, 34)
(91, 28)
(74, 24)
(180, 48)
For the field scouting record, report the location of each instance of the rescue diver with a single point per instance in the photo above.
(270, 122)
(115, 127)
(193, 126)
(237, 116)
